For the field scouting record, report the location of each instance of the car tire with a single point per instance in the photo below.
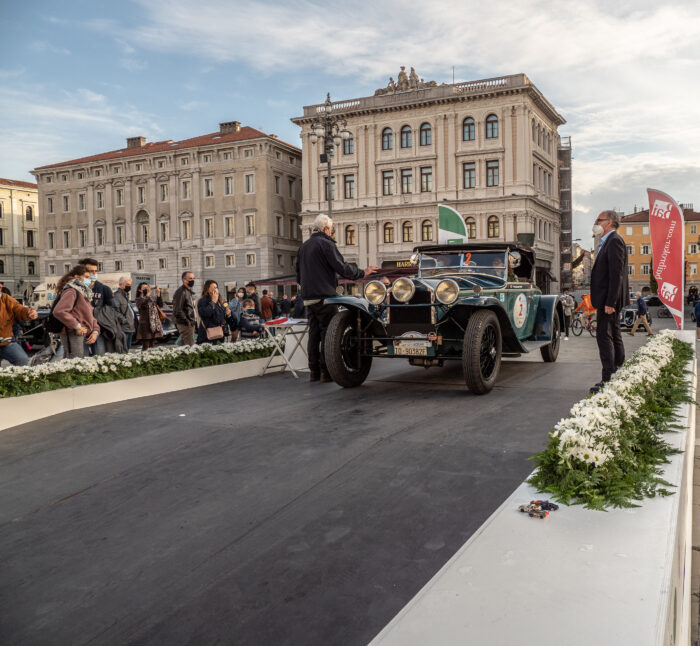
(340, 350)
(550, 352)
(481, 352)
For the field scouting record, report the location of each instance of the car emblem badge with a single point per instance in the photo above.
(432, 336)
(520, 310)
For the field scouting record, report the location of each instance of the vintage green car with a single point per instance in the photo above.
(474, 303)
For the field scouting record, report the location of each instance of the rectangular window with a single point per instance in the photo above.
(228, 226)
(250, 224)
(66, 268)
(629, 230)
(469, 170)
(184, 161)
(185, 190)
(228, 185)
(64, 178)
(250, 183)
(248, 153)
(82, 238)
(206, 159)
(280, 260)
(186, 229)
(208, 261)
(30, 238)
(230, 260)
(692, 248)
(645, 270)
(52, 270)
(66, 203)
(52, 240)
(491, 173)
(2, 237)
(693, 269)
(145, 233)
(49, 203)
(349, 186)
(209, 227)
(279, 227)
(100, 236)
(80, 176)
(81, 201)
(426, 179)
(163, 188)
(137, 167)
(66, 239)
(208, 187)
(293, 228)
(348, 146)
(693, 228)
(163, 263)
(630, 250)
(228, 156)
(185, 262)
(47, 179)
(118, 265)
(161, 163)
(645, 230)
(250, 259)
(164, 230)
(119, 231)
(630, 270)
(119, 197)
(291, 187)
(99, 200)
(140, 195)
(644, 249)
(387, 182)
(277, 185)
(139, 264)
(325, 188)
(406, 180)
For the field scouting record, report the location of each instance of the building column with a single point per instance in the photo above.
(129, 237)
(90, 195)
(109, 216)
(196, 193)
(151, 202)
(362, 244)
(372, 253)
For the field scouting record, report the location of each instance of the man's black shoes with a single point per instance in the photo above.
(596, 388)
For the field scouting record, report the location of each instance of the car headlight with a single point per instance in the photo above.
(447, 291)
(403, 289)
(375, 292)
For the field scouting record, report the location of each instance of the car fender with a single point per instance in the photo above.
(363, 305)
(544, 319)
(511, 343)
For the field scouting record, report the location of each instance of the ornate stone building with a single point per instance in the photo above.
(224, 205)
(19, 236)
(487, 148)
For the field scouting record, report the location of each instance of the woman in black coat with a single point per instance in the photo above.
(213, 315)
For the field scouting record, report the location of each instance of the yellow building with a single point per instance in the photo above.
(634, 228)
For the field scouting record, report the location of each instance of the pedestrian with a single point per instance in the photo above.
(236, 307)
(319, 263)
(250, 325)
(101, 295)
(285, 305)
(298, 309)
(240, 295)
(568, 304)
(252, 293)
(609, 293)
(183, 309)
(213, 315)
(150, 326)
(642, 316)
(266, 306)
(10, 312)
(123, 305)
(74, 309)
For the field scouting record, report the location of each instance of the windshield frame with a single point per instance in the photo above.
(485, 275)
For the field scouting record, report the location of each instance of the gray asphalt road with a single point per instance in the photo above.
(274, 512)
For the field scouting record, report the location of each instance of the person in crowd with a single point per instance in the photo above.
(74, 309)
(609, 293)
(319, 263)
(251, 292)
(587, 307)
(240, 295)
(298, 309)
(250, 326)
(285, 305)
(692, 295)
(214, 315)
(183, 309)
(123, 305)
(111, 324)
(567, 303)
(642, 316)
(236, 307)
(266, 306)
(150, 327)
(11, 312)
(101, 295)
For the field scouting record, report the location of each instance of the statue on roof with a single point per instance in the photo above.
(405, 82)
(413, 79)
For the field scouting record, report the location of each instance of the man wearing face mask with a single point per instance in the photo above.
(183, 309)
(121, 300)
(609, 290)
(101, 296)
(319, 263)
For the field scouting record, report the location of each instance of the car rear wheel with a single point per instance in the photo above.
(341, 351)
(481, 353)
(550, 352)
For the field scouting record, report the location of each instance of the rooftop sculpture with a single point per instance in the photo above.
(405, 83)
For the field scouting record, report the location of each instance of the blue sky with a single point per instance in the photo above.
(78, 77)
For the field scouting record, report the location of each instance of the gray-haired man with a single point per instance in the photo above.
(122, 303)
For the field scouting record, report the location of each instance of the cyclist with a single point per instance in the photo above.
(11, 311)
(587, 307)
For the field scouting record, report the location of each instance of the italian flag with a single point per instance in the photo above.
(451, 227)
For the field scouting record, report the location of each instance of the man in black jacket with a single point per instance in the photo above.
(101, 295)
(319, 263)
(609, 293)
(183, 309)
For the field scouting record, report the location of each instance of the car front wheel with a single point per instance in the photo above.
(341, 351)
(481, 352)
(550, 352)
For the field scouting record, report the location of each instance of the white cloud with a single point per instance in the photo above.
(193, 105)
(42, 47)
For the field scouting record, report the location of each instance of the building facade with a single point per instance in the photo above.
(486, 148)
(634, 228)
(19, 236)
(565, 205)
(223, 205)
(581, 266)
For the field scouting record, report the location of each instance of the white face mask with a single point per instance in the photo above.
(597, 229)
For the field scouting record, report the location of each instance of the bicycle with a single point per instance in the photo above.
(578, 326)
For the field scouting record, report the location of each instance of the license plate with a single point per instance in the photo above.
(411, 348)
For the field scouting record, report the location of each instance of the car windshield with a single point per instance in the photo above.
(482, 267)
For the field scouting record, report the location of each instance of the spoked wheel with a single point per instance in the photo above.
(341, 351)
(576, 327)
(550, 352)
(481, 352)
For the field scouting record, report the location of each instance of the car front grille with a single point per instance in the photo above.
(400, 314)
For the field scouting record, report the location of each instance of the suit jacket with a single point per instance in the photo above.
(609, 278)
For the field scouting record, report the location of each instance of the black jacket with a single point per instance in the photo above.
(609, 280)
(319, 264)
(183, 306)
(212, 315)
(102, 294)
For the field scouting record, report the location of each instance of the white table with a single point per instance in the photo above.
(294, 349)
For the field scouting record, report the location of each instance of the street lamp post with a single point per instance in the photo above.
(332, 129)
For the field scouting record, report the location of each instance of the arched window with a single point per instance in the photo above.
(407, 232)
(29, 214)
(426, 135)
(387, 139)
(492, 127)
(349, 145)
(31, 268)
(388, 233)
(350, 235)
(468, 131)
(471, 228)
(406, 137)
(494, 226)
(427, 230)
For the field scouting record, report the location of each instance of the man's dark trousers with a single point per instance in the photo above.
(320, 316)
(610, 345)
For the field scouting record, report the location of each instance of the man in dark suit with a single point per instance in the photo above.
(609, 293)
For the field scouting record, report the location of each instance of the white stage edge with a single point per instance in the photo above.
(576, 578)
